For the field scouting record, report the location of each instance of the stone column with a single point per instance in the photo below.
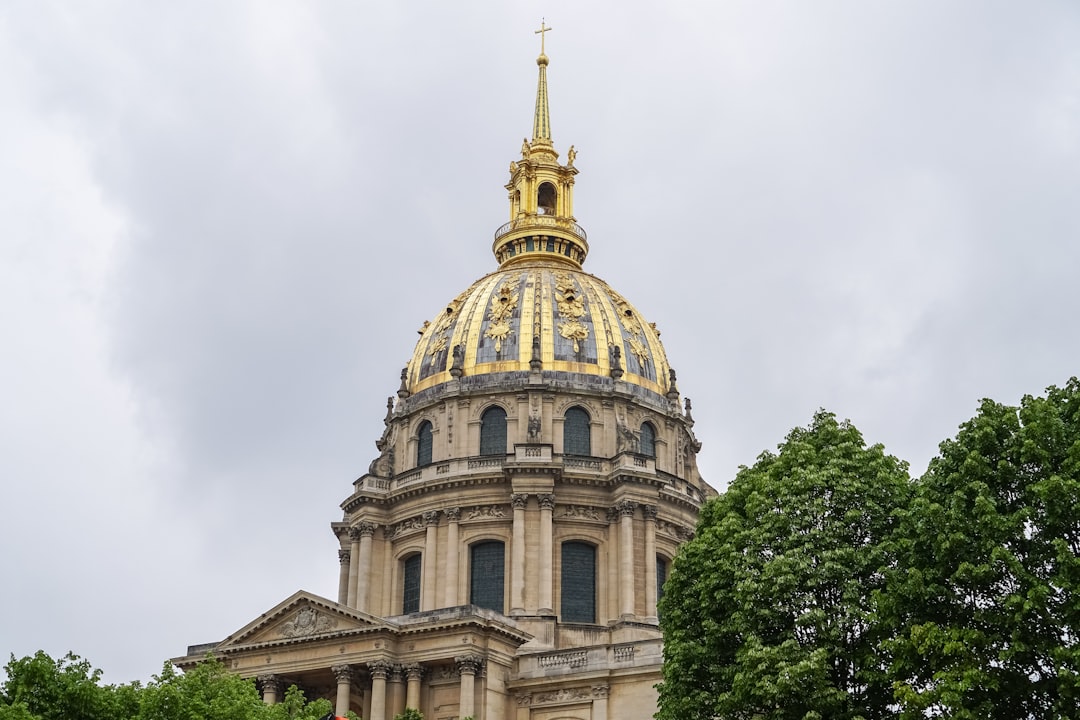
(517, 556)
(343, 577)
(468, 666)
(626, 559)
(363, 568)
(427, 596)
(395, 692)
(379, 670)
(354, 565)
(344, 675)
(547, 603)
(271, 686)
(450, 591)
(649, 511)
(413, 674)
(599, 703)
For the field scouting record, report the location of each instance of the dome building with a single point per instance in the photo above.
(503, 556)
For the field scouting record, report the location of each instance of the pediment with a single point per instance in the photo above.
(300, 617)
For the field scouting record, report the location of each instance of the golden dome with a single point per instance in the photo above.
(539, 316)
(569, 320)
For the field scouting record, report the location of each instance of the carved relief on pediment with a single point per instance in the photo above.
(307, 621)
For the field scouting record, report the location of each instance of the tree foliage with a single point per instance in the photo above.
(767, 613)
(40, 688)
(984, 608)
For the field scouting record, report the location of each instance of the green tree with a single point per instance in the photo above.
(767, 613)
(40, 687)
(985, 604)
(206, 691)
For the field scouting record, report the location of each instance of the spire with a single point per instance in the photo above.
(542, 117)
(542, 226)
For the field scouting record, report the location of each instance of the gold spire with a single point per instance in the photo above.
(542, 225)
(542, 117)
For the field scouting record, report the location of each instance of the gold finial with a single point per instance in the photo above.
(541, 32)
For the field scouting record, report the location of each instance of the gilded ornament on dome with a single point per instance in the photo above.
(640, 350)
(502, 308)
(570, 305)
(575, 331)
(438, 345)
(571, 308)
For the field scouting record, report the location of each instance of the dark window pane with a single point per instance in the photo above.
(486, 570)
(423, 446)
(576, 435)
(647, 445)
(411, 590)
(578, 582)
(661, 577)
(493, 431)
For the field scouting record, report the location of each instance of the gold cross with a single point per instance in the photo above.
(541, 32)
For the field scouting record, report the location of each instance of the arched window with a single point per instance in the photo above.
(486, 573)
(545, 199)
(493, 431)
(647, 443)
(661, 576)
(410, 587)
(423, 444)
(578, 588)
(577, 439)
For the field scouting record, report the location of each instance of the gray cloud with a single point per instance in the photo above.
(221, 227)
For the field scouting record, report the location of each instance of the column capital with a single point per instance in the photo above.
(469, 664)
(547, 501)
(649, 511)
(452, 514)
(343, 673)
(269, 681)
(524, 699)
(397, 673)
(600, 691)
(354, 534)
(431, 517)
(379, 669)
(413, 671)
(626, 508)
(612, 515)
(365, 528)
(519, 501)
(343, 556)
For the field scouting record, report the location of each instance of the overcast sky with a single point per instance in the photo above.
(221, 225)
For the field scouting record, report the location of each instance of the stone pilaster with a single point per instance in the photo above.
(547, 601)
(354, 565)
(626, 510)
(649, 511)
(430, 563)
(343, 577)
(517, 555)
(450, 590)
(600, 702)
(363, 568)
(524, 703)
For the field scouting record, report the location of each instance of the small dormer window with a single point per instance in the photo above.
(545, 199)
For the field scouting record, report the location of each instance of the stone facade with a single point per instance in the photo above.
(503, 556)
